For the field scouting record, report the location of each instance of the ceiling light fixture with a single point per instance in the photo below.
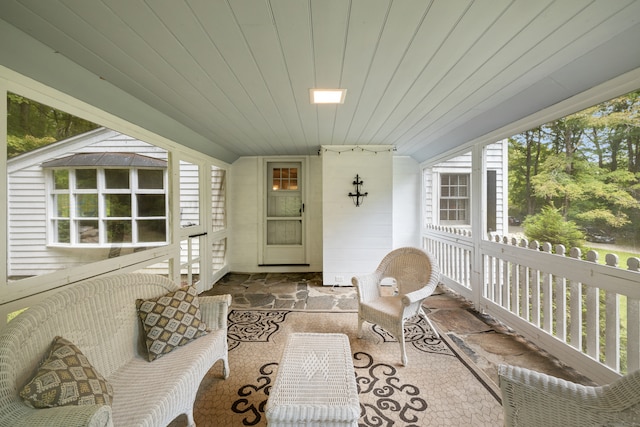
(327, 96)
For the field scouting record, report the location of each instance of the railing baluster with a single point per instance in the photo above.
(515, 285)
(524, 286)
(612, 331)
(592, 329)
(489, 283)
(468, 264)
(451, 256)
(534, 282)
(506, 286)
(459, 267)
(575, 306)
(561, 300)
(497, 292)
(547, 305)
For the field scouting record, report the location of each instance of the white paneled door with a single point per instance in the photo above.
(284, 214)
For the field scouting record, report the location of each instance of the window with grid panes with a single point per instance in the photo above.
(285, 179)
(103, 206)
(454, 199)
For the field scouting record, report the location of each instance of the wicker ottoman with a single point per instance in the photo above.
(315, 384)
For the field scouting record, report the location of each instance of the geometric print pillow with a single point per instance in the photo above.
(171, 321)
(66, 378)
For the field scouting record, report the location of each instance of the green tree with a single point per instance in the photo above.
(31, 125)
(526, 153)
(586, 164)
(550, 226)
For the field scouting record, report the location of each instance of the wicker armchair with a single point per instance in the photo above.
(531, 398)
(416, 274)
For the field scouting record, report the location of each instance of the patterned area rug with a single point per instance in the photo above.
(439, 387)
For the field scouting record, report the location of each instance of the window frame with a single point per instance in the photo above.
(102, 192)
(467, 199)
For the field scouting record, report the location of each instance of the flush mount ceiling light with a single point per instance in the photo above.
(327, 96)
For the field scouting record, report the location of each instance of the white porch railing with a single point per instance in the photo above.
(584, 313)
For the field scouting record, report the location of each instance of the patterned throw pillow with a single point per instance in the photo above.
(171, 321)
(66, 378)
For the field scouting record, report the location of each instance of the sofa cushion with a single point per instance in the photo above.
(66, 378)
(171, 321)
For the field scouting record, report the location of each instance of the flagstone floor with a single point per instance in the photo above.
(484, 340)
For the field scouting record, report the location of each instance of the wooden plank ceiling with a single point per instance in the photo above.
(423, 76)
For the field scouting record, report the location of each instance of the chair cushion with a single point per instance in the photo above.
(171, 321)
(389, 305)
(66, 378)
(385, 311)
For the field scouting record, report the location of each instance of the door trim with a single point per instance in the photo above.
(261, 218)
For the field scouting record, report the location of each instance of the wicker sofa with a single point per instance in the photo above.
(532, 399)
(100, 317)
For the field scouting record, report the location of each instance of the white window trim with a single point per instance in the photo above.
(101, 191)
(439, 197)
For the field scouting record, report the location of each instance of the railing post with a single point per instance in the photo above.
(478, 215)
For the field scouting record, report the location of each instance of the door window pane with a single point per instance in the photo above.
(285, 179)
(284, 232)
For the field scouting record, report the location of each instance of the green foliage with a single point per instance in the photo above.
(550, 226)
(555, 182)
(597, 217)
(18, 145)
(527, 151)
(587, 164)
(31, 125)
(517, 177)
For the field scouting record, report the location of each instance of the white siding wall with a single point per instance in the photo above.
(355, 239)
(245, 200)
(429, 203)
(406, 202)
(495, 158)
(189, 194)
(243, 221)
(28, 251)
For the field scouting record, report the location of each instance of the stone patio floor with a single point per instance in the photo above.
(486, 341)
